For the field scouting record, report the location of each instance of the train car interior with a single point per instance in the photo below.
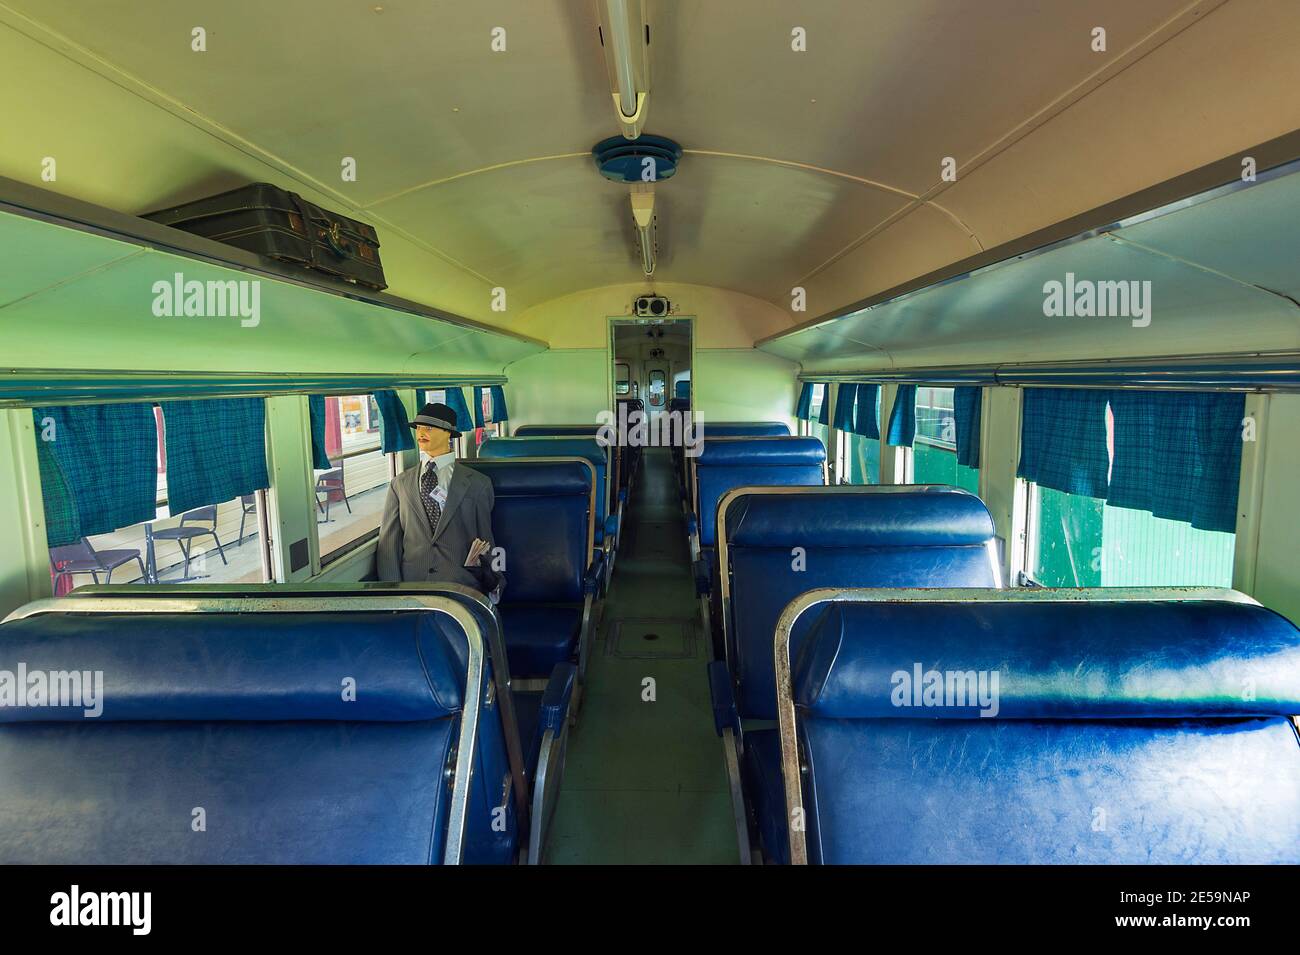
(645, 432)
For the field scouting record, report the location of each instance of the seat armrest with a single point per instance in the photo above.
(595, 573)
(692, 525)
(724, 701)
(555, 699)
(702, 582)
(611, 527)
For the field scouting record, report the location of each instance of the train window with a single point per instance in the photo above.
(622, 378)
(489, 413)
(1079, 536)
(1080, 541)
(350, 492)
(658, 387)
(177, 534)
(935, 458)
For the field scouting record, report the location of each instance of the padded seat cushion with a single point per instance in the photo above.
(765, 584)
(931, 515)
(293, 793)
(246, 717)
(555, 446)
(1042, 727)
(742, 429)
(539, 636)
(1055, 659)
(540, 519)
(1043, 791)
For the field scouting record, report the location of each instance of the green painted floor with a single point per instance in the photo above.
(645, 781)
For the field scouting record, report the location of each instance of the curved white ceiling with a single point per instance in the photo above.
(818, 169)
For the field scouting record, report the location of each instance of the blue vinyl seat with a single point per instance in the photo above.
(287, 733)
(777, 543)
(724, 464)
(533, 721)
(724, 429)
(609, 510)
(617, 465)
(1038, 726)
(543, 518)
(538, 446)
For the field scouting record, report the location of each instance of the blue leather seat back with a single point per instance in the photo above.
(570, 446)
(245, 717)
(905, 536)
(745, 429)
(728, 463)
(540, 517)
(1119, 732)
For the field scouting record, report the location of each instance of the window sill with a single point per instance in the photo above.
(363, 548)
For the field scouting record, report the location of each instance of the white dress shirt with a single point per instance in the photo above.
(445, 463)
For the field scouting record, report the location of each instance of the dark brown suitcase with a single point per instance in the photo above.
(271, 221)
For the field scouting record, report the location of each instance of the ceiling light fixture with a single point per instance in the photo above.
(625, 35)
(643, 214)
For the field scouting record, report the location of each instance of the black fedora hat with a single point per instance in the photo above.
(437, 416)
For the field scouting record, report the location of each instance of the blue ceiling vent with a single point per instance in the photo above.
(644, 159)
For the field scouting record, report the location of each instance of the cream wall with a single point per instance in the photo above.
(740, 384)
(560, 386)
(570, 383)
(723, 318)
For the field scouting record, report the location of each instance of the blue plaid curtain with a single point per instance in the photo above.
(846, 400)
(866, 419)
(1063, 440)
(902, 417)
(216, 451)
(108, 458)
(824, 412)
(967, 401)
(804, 410)
(1178, 455)
(395, 433)
(62, 525)
(319, 459)
(499, 410)
(477, 391)
(456, 402)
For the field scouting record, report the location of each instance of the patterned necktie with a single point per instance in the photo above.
(432, 509)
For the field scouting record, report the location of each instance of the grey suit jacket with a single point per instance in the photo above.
(408, 551)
